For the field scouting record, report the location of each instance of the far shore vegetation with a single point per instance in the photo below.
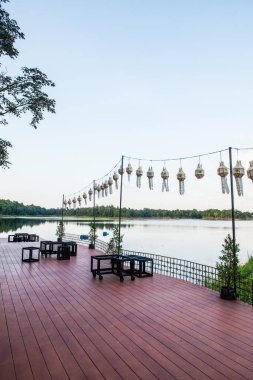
(16, 209)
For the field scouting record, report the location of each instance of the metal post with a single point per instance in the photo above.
(232, 209)
(94, 212)
(120, 202)
(62, 208)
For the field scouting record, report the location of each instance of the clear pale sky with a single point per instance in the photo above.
(154, 79)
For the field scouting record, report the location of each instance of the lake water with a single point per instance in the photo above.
(195, 240)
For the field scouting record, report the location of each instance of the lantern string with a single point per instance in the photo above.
(156, 160)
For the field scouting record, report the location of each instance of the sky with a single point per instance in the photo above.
(145, 79)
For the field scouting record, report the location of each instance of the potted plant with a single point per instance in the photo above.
(92, 235)
(115, 243)
(228, 268)
(60, 231)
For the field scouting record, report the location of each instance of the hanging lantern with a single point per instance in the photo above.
(110, 183)
(106, 187)
(199, 172)
(103, 189)
(150, 175)
(79, 200)
(181, 178)
(139, 173)
(222, 171)
(74, 202)
(90, 192)
(98, 190)
(238, 173)
(121, 170)
(65, 202)
(250, 171)
(165, 176)
(115, 178)
(129, 170)
(69, 202)
(85, 198)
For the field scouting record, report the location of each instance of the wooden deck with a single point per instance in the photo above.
(57, 322)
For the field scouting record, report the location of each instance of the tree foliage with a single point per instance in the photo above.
(23, 93)
(115, 243)
(229, 262)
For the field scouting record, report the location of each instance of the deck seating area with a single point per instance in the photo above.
(59, 322)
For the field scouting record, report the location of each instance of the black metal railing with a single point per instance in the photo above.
(199, 274)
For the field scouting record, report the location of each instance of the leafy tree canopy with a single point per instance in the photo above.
(23, 93)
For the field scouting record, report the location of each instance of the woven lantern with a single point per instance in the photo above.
(106, 187)
(98, 190)
(129, 170)
(102, 189)
(150, 175)
(110, 183)
(90, 192)
(199, 172)
(74, 202)
(69, 202)
(238, 173)
(181, 178)
(65, 202)
(79, 200)
(250, 171)
(85, 198)
(139, 173)
(121, 170)
(222, 171)
(115, 178)
(165, 176)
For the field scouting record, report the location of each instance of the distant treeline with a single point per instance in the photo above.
(10, 208)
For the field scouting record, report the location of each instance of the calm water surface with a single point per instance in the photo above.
(194, 240)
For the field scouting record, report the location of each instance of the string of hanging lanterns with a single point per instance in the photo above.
(104, 185)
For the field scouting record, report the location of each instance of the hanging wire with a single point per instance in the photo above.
(91, 183)
(178, 158)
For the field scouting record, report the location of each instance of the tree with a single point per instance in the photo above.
(228, 265)
(115, 243)
(23, 93)
(60, 230)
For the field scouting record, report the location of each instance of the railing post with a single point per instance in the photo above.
(94, 213)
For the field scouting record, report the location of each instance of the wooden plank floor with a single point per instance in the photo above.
(57, 322)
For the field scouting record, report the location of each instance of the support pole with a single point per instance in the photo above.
(120, 201)
(62, 208)
(232, 209)
(94, 212)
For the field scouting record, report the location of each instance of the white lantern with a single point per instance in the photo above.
(129, 170)
(85, 198)
(103, 189)
(250, 171)
(199, 172)
(222, 171)
(65, 202)
(110, 183)
(150, 175)
(69, 202)
(98, 190)
(74, 202)
(181, 178)
(238, 173)
(165, 176)
(79, 200)
(139, 173)
(106, 187)
(121, 170)
(90, 192)
(115, 178)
